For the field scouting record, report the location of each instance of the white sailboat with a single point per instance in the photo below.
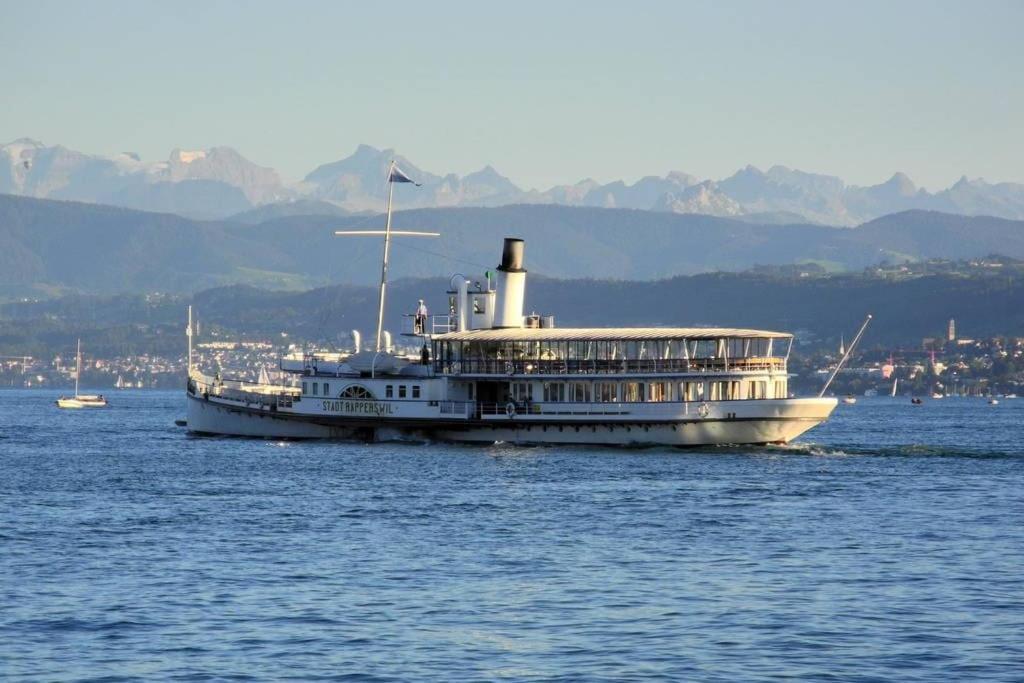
(81, 400)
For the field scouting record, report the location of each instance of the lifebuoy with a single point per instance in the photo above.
(704, 410)
(510, 409)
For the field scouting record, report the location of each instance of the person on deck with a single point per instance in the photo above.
(421, 318)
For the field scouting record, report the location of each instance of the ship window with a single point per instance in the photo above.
(470, 394)
(479, 307)
(522, 391)
(327, 389)
(780, 388)
(758, 390)
(389, 391)
(305, 388)
(634, 392)
(316, 388)
(735, 389)
(693, 391)
(659, 391)
(401, 391)
(416, 391)
(554, 392)
(606, 392)
(580, 392)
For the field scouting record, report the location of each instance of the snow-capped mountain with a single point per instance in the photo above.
(223, 164)
(209, 183)
(219, 182)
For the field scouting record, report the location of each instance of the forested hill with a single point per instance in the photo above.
(49, 246)
(818, 309)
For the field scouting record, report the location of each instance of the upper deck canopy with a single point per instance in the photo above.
(607, 334)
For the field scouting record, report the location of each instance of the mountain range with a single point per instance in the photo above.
(219, 182)
(48, 247)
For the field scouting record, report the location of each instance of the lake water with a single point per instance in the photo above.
(887, 545)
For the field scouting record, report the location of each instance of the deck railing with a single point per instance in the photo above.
(605, 367)
(434, 324)
(457, 408)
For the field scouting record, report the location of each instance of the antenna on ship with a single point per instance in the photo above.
(395, 175)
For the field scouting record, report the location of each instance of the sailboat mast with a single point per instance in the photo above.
(384, 262)
(188, 333)
(78, 365)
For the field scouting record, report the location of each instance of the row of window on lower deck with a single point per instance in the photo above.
(389, 391)
(659, 349)
(316, 389)
(637, 392)
(404, 391)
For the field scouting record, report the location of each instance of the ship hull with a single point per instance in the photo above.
(207, 418)
(778, 421)
(77, 404)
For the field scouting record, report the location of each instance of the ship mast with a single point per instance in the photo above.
(384, 261)
(395, 175)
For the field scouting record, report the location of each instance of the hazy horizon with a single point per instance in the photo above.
(546, 95)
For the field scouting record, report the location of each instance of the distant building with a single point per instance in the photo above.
(951, 333)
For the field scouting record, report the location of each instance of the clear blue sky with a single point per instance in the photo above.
(547, 92)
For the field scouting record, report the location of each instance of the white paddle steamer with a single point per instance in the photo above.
(486, 372)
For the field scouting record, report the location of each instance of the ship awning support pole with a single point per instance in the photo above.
(846, 355)
(384, 262)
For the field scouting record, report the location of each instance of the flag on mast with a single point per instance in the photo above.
(398, 176)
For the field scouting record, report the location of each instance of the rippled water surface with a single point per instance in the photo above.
(887, 545)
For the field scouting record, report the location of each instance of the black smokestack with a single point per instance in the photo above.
(512, 256)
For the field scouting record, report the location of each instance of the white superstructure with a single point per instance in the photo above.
(489, 373)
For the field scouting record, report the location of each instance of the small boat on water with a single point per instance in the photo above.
(850, 399)
(937, 395)
(993, 401)
(81, 400)
(916, 401)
